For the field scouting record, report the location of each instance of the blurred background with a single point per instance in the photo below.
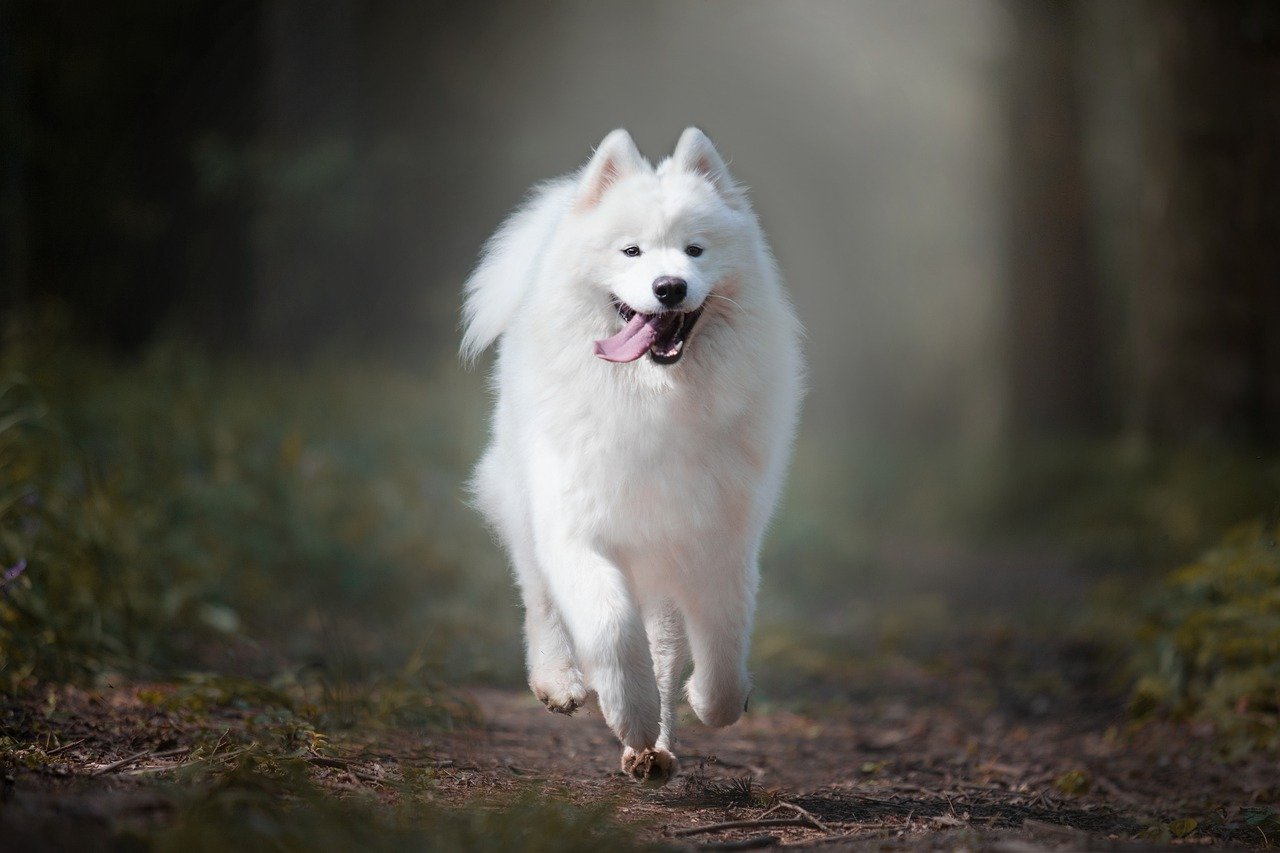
(1034, 245)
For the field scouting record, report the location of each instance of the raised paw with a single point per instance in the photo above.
(654, 767)
(562, 692)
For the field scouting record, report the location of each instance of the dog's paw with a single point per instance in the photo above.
(562, 692)
(654, 767)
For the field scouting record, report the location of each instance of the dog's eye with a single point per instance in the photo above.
(632, 251)
(693, 251)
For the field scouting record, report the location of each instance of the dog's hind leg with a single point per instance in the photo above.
(718, 613)
(669, 648)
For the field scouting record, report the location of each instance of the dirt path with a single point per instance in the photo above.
(948, 769)
(886, 778)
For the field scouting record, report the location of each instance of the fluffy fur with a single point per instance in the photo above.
(632, 497)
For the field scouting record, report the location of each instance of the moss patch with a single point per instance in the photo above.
(1210, 648)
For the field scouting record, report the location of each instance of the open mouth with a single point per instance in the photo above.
(662, 336)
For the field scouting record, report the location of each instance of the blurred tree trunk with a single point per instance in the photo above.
(1057, 359)
(306, 283)
(1207, 300)
(219, 141)
(13, 219)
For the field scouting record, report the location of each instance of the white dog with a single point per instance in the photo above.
(648, 382)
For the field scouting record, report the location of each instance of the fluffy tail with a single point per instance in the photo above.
(508, 266)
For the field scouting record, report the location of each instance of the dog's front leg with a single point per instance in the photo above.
(608, 635)
(669, 650)
(554, 675)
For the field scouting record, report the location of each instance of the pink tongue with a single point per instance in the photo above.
(632, 342)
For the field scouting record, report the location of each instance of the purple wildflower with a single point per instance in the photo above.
(11, 574)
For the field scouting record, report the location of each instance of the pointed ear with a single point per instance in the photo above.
(695, 153)
(615, 158)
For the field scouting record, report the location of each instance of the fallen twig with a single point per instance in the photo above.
(753, 843)
(124, 762)
(168, 753)
(172, 753)
(739, 824)
(65, 747)
(805, 814)
(339, 764)
(322, 761)
(221, 740)
(166, 768)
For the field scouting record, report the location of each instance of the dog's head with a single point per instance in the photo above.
(657, 244)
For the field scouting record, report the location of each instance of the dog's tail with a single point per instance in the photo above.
(508, 265)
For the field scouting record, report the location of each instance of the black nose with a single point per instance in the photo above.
(670, 290)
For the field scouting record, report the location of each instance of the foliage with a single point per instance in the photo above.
(1132, 501)
(1211, 644)
(180, 512)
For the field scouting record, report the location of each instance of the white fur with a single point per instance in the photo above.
(632, 498)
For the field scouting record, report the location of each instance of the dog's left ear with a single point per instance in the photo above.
(695, 153)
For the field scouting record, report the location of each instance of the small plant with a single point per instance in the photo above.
(1211, 644)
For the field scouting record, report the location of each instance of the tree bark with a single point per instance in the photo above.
(1207, 298)
(307, 286)
(1056, 357)
(13, 144)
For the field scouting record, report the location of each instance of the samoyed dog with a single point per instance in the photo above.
(648, 380)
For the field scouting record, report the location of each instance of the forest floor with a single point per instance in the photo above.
(901, 777)
(286, 556)
(938, 762)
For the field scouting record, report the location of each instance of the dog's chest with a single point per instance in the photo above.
(661, 468)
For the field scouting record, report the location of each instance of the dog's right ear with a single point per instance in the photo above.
(615, 158)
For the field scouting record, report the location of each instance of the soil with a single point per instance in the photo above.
(890, 778)
(938, 769)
